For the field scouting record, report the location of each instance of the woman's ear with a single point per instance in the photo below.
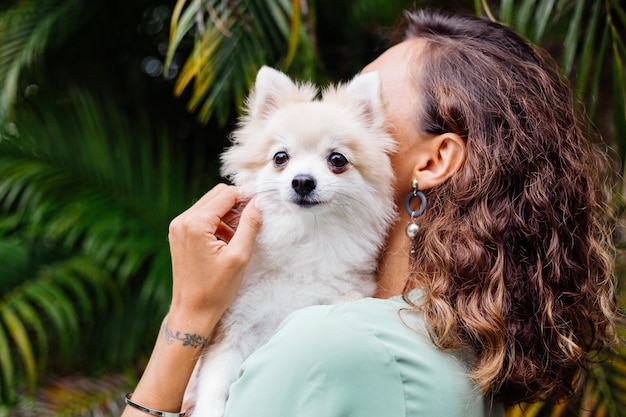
(441, 157)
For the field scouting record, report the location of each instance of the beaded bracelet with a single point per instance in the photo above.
(151, 411)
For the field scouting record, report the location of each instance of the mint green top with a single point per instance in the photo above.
(359, 359)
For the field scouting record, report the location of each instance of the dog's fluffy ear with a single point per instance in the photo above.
(274, 89)
(365, 88)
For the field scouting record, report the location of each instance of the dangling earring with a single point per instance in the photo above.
(413, 228)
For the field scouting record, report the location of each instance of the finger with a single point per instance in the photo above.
(224, 232)
(232, 217)
(249, 226)
(242, 203)
(219, 200)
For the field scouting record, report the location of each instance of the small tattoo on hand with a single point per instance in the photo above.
(192, 340)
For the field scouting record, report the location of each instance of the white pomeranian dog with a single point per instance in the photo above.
(321, 175)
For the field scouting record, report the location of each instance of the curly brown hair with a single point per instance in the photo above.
(517, 260)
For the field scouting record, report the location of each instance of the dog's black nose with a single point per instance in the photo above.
(303, 184)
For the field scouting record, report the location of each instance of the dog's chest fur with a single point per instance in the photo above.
(315, 263)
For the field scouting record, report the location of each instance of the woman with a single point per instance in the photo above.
(498, 299)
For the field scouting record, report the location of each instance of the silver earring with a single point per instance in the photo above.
(413, 228)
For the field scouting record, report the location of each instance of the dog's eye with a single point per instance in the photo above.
(280, 159)
(337, 161)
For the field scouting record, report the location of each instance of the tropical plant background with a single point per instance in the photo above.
(112, 114)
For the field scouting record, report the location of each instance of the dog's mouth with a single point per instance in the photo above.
(306, 202)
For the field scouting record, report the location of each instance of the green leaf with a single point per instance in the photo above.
(81, 298)
(19, 335)
(6, 368)
(28, 314)
(179, 27)
(58, 309)
(507, 11)
(619, 98)
(487, 10)
(597, 73)
(26, 29)
(542, 17)
(251, 33)
(619, 9)
(523, 17)
(586, 60)
(570, 43)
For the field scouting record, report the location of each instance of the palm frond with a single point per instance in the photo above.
(95, 188)
(25, 30)
(56, 301)
(232, 40)
(93, 195)
(84, 178)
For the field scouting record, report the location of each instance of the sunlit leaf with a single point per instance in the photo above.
(248, 33)
(16, 329)
(7, 368)
(179, 27)
(29, 315)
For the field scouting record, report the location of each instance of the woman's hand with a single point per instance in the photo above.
(207, 270)
(207, 273)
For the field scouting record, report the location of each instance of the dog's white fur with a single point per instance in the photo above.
(318, 249)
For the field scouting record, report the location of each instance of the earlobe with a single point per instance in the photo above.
(443, 157)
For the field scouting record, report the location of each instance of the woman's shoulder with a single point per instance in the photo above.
(369, 356)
